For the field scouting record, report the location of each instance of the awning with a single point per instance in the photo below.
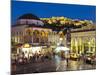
(61, 48)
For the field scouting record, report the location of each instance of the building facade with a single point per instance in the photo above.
(83, 41)
(30, 29)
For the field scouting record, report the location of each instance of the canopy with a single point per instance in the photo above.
(61, 48)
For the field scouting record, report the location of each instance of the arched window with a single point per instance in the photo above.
(28, 32)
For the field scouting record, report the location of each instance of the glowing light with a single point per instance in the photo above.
(61, 39)
(26, 45)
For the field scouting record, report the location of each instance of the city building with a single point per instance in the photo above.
(83, 40)
(30, 29)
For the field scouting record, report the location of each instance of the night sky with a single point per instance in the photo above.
(46, 10)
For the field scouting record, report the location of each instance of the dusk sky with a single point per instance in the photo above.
(46, 10)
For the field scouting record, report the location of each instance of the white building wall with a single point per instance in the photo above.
(17, 33)
(30, 21)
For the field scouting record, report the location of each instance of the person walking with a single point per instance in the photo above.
(67, 59)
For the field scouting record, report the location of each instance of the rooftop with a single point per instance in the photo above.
(29, 16)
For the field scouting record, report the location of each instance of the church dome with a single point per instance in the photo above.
(29, 19)
(29, 16)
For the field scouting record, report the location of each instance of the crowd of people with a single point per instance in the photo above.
(29, 57)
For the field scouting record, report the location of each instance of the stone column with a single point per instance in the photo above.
(76, 45)
(82, 45)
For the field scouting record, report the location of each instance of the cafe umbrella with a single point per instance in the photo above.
(61, 48)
